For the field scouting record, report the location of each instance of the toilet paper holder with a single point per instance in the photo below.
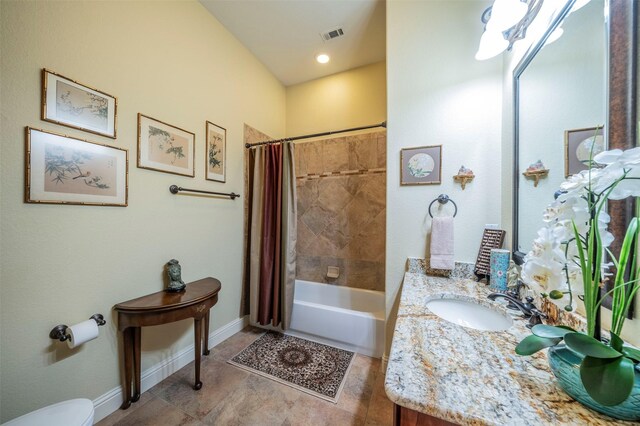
(59, 332)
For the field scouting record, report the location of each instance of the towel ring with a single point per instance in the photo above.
(444, 199)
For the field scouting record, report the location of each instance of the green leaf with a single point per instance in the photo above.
(550, 331)
(532, 344)
(588, 346)
(608, 381)
(616, 342)
(632, 353)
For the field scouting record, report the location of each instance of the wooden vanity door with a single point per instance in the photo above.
(403, 416)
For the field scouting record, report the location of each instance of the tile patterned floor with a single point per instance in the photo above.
(232, 396)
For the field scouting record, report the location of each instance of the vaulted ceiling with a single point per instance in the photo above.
(285, 35)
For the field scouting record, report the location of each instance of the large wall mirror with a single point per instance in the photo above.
(562, 95)
(565, 88)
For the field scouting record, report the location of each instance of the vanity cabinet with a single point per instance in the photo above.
(403, 416)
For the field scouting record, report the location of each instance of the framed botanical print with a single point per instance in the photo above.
(421, 165)
(64, 170)
(578, 147)
(216, 152)
(165, 148)
(72, 104)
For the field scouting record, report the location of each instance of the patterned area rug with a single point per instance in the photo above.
(311, 367)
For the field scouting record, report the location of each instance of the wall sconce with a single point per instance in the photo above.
(506, 22)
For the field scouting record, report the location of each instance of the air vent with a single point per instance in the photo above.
(331, 34)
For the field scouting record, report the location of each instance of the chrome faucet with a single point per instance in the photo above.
(527, 308)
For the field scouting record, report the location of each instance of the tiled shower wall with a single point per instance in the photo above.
(341, 184)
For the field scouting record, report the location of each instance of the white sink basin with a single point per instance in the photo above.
(469, 314)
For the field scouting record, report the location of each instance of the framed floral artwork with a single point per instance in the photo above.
(578, 145)
(216, 152)
(64, 170)
(72, 104)
(421, 165)
(165, 148)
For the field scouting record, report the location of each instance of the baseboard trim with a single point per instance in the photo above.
(111, 401)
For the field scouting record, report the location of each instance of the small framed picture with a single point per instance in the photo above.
(216, 152)
(65, 170)
(165, 148)
(579, 145)
(421, 165)
(72, 104)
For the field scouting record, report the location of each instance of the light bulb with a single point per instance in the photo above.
(505, 14)
(491, 44)
(322, 58)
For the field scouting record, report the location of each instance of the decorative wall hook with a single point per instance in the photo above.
(536, 176)
(59, 332)
(464, 176)
(536, 171)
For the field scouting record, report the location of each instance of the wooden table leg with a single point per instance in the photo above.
(197, 329)
(205, 349)
(136, 363)
(127, 340)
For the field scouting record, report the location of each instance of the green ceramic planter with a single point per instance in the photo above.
(565, 365)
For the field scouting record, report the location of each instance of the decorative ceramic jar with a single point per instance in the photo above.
(499, 261)
(565, 365)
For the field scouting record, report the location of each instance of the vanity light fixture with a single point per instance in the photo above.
(492, 44)
(322, 58)
(505, 14)
(506, 22)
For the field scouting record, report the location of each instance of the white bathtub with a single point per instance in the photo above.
(345, 317)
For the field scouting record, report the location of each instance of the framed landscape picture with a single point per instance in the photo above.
(421, 165)
(72, 104)
(165, 148)
(65, 170)
(578, 145)
(216, 152)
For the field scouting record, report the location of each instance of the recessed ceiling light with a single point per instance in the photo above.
(323, 58)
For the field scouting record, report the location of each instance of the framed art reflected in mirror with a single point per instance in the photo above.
(580, 146)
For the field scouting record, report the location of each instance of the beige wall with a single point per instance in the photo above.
(60, 264)
(438, 94)
(348, 99)
(341, 184)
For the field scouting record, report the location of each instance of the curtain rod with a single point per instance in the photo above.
(295, 138)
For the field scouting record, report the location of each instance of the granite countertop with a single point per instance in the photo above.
(468, 376)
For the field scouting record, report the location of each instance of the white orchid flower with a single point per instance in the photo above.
(630, 157)
(608, 157)
(628, 187)
(546, 246)
(547, 274)
(552, 263)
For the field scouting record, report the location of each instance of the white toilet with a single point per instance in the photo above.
(74, 412)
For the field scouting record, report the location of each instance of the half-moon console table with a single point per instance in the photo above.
(162, 308)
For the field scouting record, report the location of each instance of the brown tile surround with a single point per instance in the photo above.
(341, 185)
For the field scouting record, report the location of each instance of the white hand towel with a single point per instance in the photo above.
(442, 243)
